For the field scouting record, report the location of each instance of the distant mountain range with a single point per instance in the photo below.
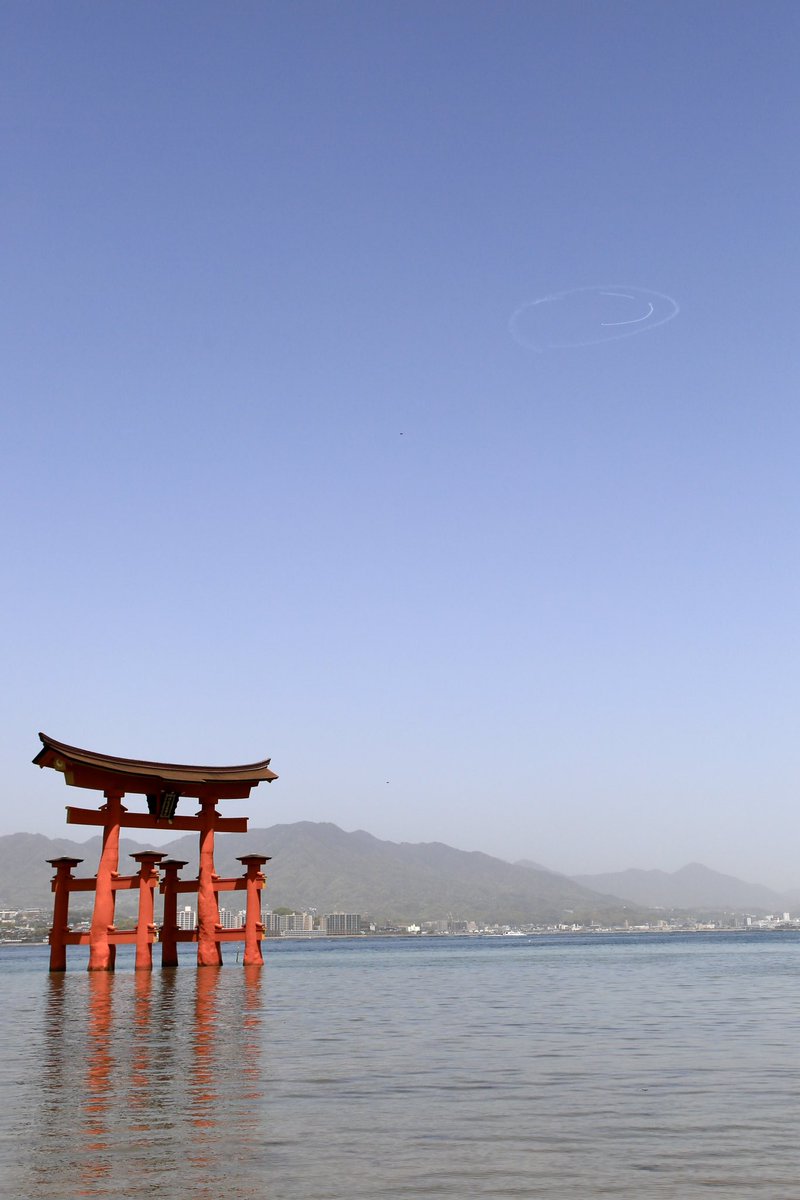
(692, 887)
(318, 865)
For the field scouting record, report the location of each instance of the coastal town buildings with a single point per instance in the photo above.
(341, 924)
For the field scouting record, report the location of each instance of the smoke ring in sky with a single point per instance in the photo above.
(585, 316)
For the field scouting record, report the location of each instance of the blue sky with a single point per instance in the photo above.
(280, 481)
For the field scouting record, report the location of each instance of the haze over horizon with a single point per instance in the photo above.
(324, 441)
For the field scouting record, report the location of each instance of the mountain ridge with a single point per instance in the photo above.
(319, 865)
(690, 887)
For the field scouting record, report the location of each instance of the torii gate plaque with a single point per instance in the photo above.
(164, 784)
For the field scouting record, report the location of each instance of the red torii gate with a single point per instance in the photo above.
(163, 784)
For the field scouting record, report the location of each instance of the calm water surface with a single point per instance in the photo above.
(538, 1067)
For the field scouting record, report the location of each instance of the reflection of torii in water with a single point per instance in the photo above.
(636, 320)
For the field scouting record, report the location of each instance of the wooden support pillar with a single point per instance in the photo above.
(169, 927)
(102, 954)
(145, 929)
(60, 885)
(253, 928)
(209, 950)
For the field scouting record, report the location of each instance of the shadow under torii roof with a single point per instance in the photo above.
(107, 772)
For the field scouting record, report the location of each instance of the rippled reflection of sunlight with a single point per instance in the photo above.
(585, 316)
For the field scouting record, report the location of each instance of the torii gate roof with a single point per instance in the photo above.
(104, 772)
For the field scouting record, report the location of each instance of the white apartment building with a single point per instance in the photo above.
(187, 918)
(230, 919)
(296, 922)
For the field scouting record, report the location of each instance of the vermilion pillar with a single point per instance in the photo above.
(61, 881)
(145, 929)
(101, 953)
(169, 928)
(209, 952)
(253, 928)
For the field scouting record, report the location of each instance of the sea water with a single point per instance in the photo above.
(582, 1067)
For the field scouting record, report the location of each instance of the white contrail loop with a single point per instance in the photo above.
(661, 309)
(634, 321)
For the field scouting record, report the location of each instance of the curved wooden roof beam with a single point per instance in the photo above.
(108, 772)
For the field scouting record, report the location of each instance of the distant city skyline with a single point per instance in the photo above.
(323, 441)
